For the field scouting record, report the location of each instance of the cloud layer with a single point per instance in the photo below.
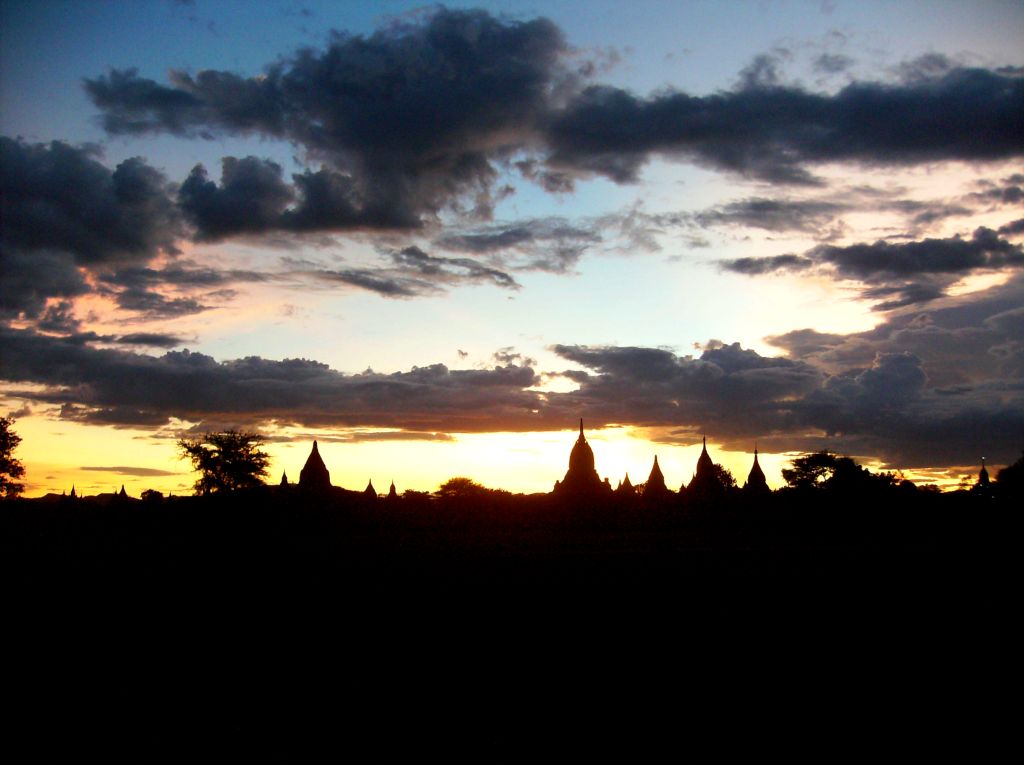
(898, 274)
(423, 116)
(941, 387)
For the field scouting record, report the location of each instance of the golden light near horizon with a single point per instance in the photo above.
(527, 462)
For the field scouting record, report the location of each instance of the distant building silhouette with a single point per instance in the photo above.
(625, 487)
(705, 483)
(983, 480)
(314, 473)
(655, 487)
(392, 493)
(581, 477)
(756, 483)
(284, 478)
(705, 466)
(369, 492)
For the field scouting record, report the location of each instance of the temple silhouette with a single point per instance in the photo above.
(581, 480)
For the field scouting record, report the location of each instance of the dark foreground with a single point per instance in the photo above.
(279, 628)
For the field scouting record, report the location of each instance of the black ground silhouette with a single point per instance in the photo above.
(276, 620)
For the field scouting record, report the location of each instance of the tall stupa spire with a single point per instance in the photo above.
(581, 476)
(314, 474)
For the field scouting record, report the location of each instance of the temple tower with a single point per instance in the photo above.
(314, 474)
(581, 477)
(756, 483)
(655, 487)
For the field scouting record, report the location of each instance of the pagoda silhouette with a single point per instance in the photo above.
(581, 478)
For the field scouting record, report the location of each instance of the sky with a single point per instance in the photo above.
(433, 238)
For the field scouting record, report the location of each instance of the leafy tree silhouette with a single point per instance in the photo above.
(724, 477)
(826, 470)
(461, 488)
(227, 461)
(11, 468)
(811, 470)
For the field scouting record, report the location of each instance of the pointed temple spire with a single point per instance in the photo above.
(705, 466)
(284, 477)
(756, 483)
(581, 478)
(369, 491)
(983, 479)
(655, 486)
(314, 474)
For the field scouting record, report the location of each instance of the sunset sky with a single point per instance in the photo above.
(434, 237)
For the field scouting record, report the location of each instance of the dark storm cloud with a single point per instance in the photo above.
(117, 387)
(62, 210)
(771, 132)
(249, 199)
(60, 198)
(900, 274)
(253, 198)
(867, 262)
(409, 118)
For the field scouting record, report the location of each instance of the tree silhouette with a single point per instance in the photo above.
(11, 468)
(810, 470)
(1010, 480)
(461, 488)
(724, 477)
(226, 461)
(826, 470)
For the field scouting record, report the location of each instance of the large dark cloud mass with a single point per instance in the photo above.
(900, 274)
(423, 115)
(769, 131)
(117, 387)
(408, 120)
(62, 209)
